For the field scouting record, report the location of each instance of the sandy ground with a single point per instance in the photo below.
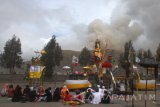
(4, 102)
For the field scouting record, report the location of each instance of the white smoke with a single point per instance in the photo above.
(114, 34)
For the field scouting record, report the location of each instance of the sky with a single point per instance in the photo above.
(77, 23)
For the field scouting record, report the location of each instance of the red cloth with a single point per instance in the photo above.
(75, 64)
(63, 92)
(107, 65)
(10, 92)
(41, 91)
(79, 97)
(67, 97)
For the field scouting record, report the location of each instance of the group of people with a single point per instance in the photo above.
(27, 94)
(97, 95)
(94, 95)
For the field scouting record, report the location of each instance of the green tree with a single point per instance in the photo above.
(85, 57)
(59, 56)
(158, 53)
(53, 56)
(11, 56)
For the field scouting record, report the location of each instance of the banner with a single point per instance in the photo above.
(36, 71)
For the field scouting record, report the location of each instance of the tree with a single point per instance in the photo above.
(158, 53)
(129, 57)
(59, 55)
(129, 52)
(53, 56)
(149, 54)
(11, 56)
(140, 54)
(85, 57)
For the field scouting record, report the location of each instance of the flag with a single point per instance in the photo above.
(36, 71)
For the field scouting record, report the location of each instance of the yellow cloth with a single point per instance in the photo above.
(36, 71)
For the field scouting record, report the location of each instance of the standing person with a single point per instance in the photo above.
(10, 91)
(17, 94)
(56, 94)
(26, 93)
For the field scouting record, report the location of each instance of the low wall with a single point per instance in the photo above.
(20, 78)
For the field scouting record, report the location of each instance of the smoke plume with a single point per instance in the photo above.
(114, 34)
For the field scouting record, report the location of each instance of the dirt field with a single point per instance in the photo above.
(5, 102)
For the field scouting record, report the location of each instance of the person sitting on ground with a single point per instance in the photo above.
(41, 94)
(63, 91)
(17, 94)
(48, 94)
(56, 94)
(106, 98)
(4, 90)
(10, 91)
(67, 96)
(41, 91)
(89, 96)
(33, 95)
(26, 93)
(96, 98)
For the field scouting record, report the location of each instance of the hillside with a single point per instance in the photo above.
(67, 56)
(67, 61)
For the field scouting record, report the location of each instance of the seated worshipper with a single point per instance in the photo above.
(48, 94)
(4, 90)
(10, 91)
(63, 91)
(56, 94)
(33, 95)
(106, 98)
(26, 93)
(68, 100)
(67, 96)
(89, 96)
(78, 97)
(41, 94)
(102, 91)
(41, 91)
(96, 98)
(17, 94)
